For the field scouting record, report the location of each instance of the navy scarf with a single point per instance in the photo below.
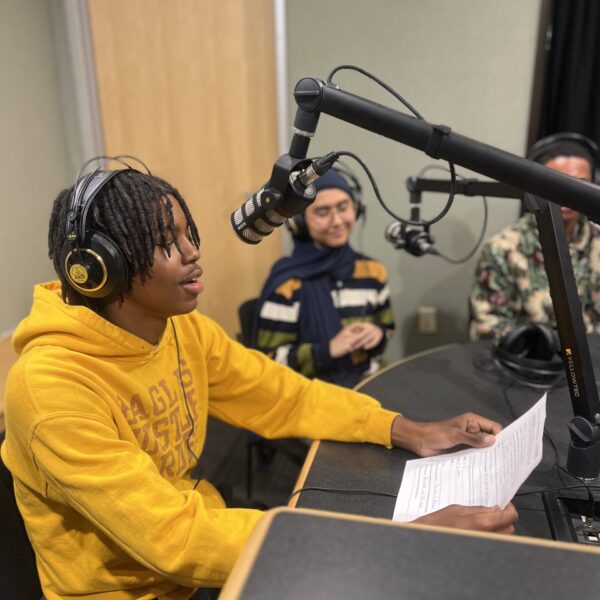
(318, 319)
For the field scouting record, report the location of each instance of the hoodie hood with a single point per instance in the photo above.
(52, 322)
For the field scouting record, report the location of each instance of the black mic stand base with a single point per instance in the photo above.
(584, 461)
(574, 514)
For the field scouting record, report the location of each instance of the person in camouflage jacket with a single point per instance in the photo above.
(511, 286)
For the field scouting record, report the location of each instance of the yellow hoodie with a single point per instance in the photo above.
(97, 432)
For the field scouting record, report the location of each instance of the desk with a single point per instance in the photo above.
(302, 555)
(429, 386)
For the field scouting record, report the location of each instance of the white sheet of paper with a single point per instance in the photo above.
(476, 476)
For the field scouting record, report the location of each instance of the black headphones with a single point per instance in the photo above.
(297, 224)
(537, 151)
(530, 354)
(90, 260)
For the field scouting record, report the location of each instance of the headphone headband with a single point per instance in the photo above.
(90, 261)
(541, 146)
(83, 194)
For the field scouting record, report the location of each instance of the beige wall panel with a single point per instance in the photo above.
(189, 87)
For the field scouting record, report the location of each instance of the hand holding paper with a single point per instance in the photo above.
(441, 437)
(477, 476)
(476, 518)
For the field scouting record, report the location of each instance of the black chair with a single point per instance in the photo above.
(246, 313)
(260, 452)
(254, 443)
(19, 578)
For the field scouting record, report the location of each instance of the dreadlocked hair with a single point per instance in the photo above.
(135, 211)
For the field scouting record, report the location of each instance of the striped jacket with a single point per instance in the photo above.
(364, 296)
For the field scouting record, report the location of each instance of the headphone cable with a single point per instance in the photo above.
(187, 405)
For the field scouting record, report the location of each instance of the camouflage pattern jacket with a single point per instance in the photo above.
(511, 285)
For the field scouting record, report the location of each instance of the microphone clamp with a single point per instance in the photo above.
(415, 240)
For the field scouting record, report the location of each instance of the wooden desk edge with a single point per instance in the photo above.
(308, 461)
(243, 566)
(402, 361)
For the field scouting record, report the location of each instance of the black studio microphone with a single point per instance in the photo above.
(414, 240)
(274, 203)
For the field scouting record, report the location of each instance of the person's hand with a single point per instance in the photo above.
(477, 518)
(353, 337)
(344, 341)
(440, 437)
(368, 335)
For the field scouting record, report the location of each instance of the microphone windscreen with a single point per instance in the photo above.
(255, 220)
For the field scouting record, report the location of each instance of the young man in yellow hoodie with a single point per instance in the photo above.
(106, 408)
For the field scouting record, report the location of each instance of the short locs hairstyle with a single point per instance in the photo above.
(135, 210)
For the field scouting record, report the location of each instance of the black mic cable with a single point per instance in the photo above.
(418, 241)
(419, 116)
(459, 261)
(464, 259)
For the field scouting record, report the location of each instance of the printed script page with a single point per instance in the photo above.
(476, 476)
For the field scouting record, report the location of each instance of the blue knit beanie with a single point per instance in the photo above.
(332, 179)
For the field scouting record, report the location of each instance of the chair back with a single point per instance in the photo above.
(19, 578)
(246, 313)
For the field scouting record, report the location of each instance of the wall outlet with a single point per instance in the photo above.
(427, 320)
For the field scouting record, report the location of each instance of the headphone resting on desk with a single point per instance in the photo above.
(529, 354)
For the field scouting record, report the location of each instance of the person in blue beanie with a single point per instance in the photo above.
(325, 310)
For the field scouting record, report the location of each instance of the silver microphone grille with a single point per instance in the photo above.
(251, 236)
(262, 226)
(249, 206)
(238, 217)
(275, 217)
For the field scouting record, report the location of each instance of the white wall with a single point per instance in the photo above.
(465, 63)
(34, 160)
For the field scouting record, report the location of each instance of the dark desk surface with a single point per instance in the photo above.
(436, 385)
(301, 555)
